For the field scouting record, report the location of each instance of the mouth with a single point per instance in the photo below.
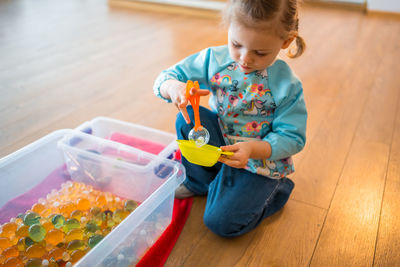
(244, 67)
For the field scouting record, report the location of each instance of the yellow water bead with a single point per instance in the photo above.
(22, 230)
(54, 236)
(74, 234)
(35, 251)
(76, 214)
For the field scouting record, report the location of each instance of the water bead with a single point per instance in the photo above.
(83, 204)
(76, 214)
(101, 200)
(31, 218)
(11, 252)
(37, 232)
(71, 224)
(34, 262)
(74, 234)
(68, 264)
(9, 228)
(66, 256)
(76, 244)
(28, 241)
(119, 215)
(91, 227)
(21, 244)
(35, 251)
(130, 205)
(56, 253)
(54, 236)
(2, 259)
(5, 243)
(12, 262)
(94, 240)
(95, 210)
(22, 231)
(38, 208)
(76, 255)
(58, 221)
(67, 208)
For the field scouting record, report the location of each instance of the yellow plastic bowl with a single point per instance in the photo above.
(206, 155)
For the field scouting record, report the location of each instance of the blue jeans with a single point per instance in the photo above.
(237, 199)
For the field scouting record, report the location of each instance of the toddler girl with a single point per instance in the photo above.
(258, 112)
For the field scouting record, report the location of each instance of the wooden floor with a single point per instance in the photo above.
(65, 62)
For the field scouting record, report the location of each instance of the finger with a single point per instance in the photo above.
(231, 148)
(232, 163)
(185, 114)
(200, 92)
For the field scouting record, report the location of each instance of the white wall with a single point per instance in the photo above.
(384, 5)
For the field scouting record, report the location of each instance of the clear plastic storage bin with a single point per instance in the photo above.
(107, 128)
(108, 166)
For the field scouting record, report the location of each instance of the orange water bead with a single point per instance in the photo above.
(83, 204)
(56, 253)
(13, 262)
(22, 230)
(5, 243)
(9, 228)
(35, 251)
(54, 236)
(38, 208)
(74, 234)
(76, 255)
(67, 208)
(101, 200)
(2, 259)
(11, 252)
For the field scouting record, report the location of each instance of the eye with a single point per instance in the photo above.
(236, 45)
(261, 54)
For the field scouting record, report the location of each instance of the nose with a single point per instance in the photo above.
(245, 57)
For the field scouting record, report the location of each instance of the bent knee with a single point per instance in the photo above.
(227, 226)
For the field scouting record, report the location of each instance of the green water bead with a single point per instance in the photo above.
(94, 240)
(99, 218)
(119, 215)
(95, 210)
(31, 218)
(130, 205)
(76, 244)
(71, 224)
(37, 232)
(91, 227)
(58, 221)
(34, 262)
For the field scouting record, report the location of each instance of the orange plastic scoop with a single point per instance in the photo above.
(198, 134)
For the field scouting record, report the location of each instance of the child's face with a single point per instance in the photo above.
(253, 49)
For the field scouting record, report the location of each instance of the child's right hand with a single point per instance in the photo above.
(176, 91)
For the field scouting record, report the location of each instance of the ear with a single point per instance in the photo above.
(288, 41)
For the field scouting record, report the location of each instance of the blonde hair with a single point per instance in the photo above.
(256, 13)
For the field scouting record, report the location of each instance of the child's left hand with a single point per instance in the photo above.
(242, 152)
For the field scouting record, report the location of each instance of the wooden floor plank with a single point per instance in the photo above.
(349, 233)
